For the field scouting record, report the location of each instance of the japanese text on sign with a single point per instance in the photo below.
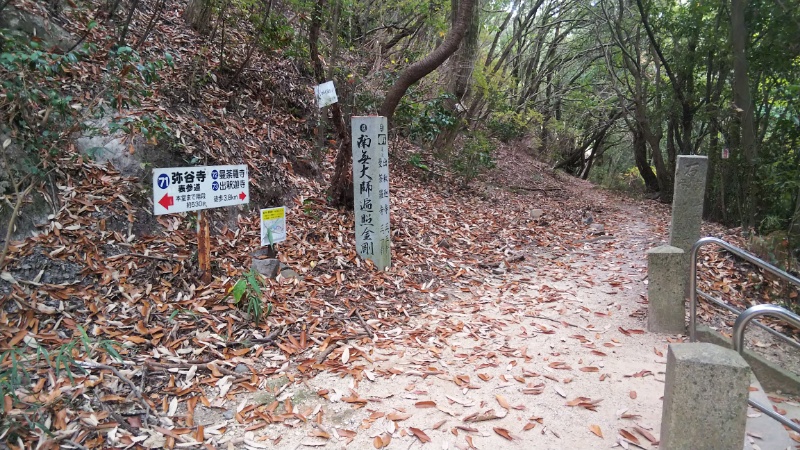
(326, 94)
(179, 189)
(273, 225)
(371, 189)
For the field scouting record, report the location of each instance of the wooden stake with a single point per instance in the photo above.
(203, 247)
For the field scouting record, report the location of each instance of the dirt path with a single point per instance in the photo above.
(550, 351)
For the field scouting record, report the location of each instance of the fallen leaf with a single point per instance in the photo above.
(646, 434)
(502, 401)
(503, 432)
(398, 416)
(596, 430)
(425, 404)
(629, 436)
(420, 434)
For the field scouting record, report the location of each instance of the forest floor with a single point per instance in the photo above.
(549, 353)
(504, 321)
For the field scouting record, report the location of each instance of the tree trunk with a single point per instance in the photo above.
(640, 157)
(744, 108)
(464, 58)
(198, 14)
(340, 192)
(428, 64)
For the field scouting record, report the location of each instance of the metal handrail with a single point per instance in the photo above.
(738, 345)
(742, 254)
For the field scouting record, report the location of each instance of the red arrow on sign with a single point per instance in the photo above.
(167, 201)
(242, 196)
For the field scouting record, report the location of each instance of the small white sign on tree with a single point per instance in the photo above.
(371, 189)
(326, 94)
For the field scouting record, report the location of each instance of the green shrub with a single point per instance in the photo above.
(507, 126)
(474, 157)
(422, 121)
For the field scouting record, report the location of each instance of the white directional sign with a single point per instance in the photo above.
(371, 189)
(326, 94)
(179, 189)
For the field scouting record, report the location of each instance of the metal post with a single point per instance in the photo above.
(738, 344)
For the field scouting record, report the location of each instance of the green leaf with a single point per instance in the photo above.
(238, 290)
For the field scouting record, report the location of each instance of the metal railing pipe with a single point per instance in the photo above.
(736, 251)
(756, 311)
(738, 344)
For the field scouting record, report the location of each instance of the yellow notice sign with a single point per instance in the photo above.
(273, 225)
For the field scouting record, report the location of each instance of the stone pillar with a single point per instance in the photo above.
(666, 310)
(687, 206)
(687, 201)
(705, 398)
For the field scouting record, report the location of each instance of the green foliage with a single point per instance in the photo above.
(423, 120)
(151, 127)
(41, 111)
(131, 76)
(247, 295)
(509, 125)
(416, 160)
(474, 157)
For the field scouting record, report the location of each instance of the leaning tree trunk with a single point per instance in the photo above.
(341, 188)
(428, 64)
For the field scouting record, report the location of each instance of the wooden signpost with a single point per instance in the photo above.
(371, 189)
(181, 189)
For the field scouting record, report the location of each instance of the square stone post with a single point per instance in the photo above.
(666, 284)
(687, 205)
(705, 398)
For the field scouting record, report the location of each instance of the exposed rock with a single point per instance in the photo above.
(37, 26)
(289, 273)
(131, 156)
(537, 214)
(269, 267)
(597, 228)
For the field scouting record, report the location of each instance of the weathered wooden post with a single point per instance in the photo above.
(371, 189)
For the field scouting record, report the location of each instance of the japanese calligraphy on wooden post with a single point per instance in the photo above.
(371, 189)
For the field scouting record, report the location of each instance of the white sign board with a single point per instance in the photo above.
(371, 189)
(326, 94)
(273, 225)
(179, 189)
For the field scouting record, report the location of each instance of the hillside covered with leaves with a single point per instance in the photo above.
(110, 340)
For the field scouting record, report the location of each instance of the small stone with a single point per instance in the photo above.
(537, 214)
(597, 228)
(289, 273)
(241, 368)
(228, 414)
(268, 267)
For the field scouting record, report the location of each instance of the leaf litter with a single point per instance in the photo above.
(477, 308)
